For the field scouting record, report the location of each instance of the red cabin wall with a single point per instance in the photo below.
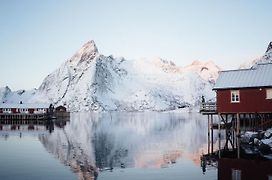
(30, 111)
(250, 169)
(14, 110)
(251, 101)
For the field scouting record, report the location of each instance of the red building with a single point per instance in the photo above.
(243, 99)
(6, 108)
(245, 90)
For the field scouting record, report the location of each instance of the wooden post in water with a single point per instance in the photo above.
(234, 131)
(238, 136)
(219, 136)
(212, 132)
(209, 142)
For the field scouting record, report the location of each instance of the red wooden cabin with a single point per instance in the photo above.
(38, 108)
(245, 90)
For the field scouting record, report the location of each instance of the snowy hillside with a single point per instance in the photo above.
(8, 96)
(92, 81)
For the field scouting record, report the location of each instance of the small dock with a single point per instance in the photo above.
(207, 108)
(42, 116)
(15, 116)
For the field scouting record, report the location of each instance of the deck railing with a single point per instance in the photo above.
(208, 107)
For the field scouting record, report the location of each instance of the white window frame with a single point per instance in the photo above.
(235, 96)
(269, 93)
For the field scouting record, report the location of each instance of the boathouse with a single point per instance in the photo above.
(61, 113)
(243, 98)
(245, 90)
(60, 109)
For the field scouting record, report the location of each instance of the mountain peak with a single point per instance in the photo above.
(266, 58)
(90, 46)
(87, 52)
(269, 47)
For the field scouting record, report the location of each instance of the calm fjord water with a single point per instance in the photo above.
(108, 146)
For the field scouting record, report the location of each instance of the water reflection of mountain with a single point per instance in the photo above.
(121, 140)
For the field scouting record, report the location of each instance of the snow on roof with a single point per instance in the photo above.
(24, 105)
(260, 76)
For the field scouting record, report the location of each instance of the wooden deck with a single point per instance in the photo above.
(208, 108)
(16, 116)
(40, 116)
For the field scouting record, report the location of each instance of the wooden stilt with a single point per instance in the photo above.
(238, 135)
(219, 137)
(212, 133)
(209, 142)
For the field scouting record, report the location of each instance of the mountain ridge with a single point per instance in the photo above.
(90, 81)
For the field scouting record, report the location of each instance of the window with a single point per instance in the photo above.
(235, 96)
(236, 174)
(269, 93)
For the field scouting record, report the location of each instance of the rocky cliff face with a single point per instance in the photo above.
(267, 58)
(92, 81)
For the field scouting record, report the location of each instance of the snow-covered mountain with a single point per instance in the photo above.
(266, 58)
(8, 96)
(92, 81)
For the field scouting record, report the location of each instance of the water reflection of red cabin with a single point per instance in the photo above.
(245, 90)
(239, 169)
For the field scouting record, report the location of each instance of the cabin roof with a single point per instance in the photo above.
(24, 105)
(259, 76)
(60, 107)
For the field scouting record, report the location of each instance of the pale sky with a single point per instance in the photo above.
(36, 37)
